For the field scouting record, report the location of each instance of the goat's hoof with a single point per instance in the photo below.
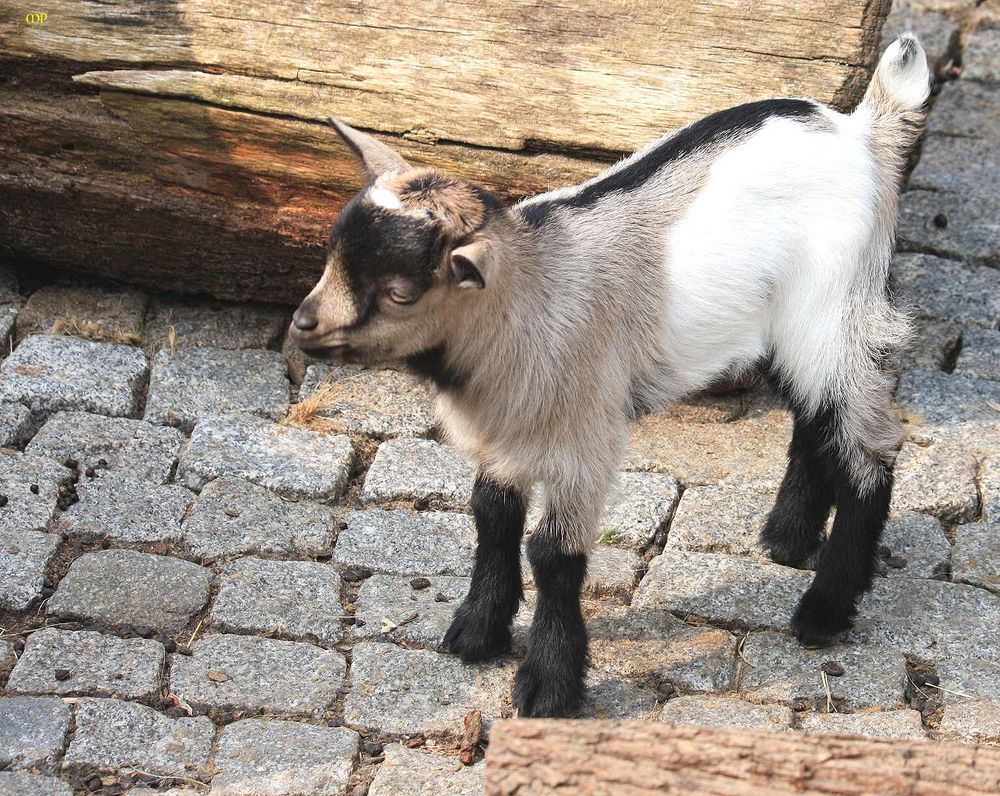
(474, 638)
(818, 621)
(551, 691)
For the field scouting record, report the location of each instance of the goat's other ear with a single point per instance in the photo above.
(472, 264)
(374, 156)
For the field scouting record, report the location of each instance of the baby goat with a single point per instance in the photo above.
(759, 236)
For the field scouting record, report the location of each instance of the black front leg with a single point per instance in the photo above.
(550, 682)
(481, 627)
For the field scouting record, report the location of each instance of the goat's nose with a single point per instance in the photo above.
(303, 321)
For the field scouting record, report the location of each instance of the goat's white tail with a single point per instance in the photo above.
(898, 92)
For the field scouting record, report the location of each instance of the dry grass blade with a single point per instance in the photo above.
(93, 330)
(308, 413)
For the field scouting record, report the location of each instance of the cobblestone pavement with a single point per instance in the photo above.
(198, 592)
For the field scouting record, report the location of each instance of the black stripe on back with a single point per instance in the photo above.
(741, 119)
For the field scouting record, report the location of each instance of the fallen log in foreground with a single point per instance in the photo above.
(590, 758)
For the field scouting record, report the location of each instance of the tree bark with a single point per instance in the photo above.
(184, 144)
(588, 758)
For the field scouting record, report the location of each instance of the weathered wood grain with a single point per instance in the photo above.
(547, 758)
(183, 142)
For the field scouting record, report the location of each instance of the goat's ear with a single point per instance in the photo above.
(471, 264)
(374, 156)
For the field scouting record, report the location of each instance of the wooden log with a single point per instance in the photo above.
(211, 113)
(592, 758)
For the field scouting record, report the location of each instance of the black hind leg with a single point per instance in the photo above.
(847, 564)
(794, 529)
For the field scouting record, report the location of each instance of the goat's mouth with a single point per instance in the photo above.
(340, 353)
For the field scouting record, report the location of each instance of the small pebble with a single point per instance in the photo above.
(884, 551)
(932, 679)
(62, 674)
(343, 526)
(71, 464)
(34, 489)
(94, 783)
(896, 562)
(90, 472)
(102, 463)
(232, 512)
(832, 668)
(442, 598)
(3, 501)
(355, 573)
(420, 583)
(940, 221)
(372, 748)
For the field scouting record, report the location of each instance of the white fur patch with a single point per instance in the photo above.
(383, 197)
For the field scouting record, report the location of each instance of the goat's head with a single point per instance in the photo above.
(405, 254)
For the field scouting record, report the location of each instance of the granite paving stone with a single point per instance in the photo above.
(950, 162)
(415, 772)
(942, 289)
(378, 403)
(114, 734)
(989, 486)
(936, 479)
(194, 383)
(399, 543)
(962, 679)
(610, 697)
(409, 469)
(213, 324)
(776, 668)
(653, 647)
(294, 598)
(15, 424)
(30, 485)
(970, 231)
(722, 589)
(125, 589)
(726, 713)
(980, 356)
(752, 449)
(389, 607)
(638, 507)
(918, 546)
(981, 57)
(972, 721)
(932, 345)
(23, 559)
(929, 618)
(235, 517)
(904, 725)
(73, 663)
(121, 509)
(283, 758)
(400, 691)
(8, 657)
(32, 733)
(88, 311)
(49, 373)
(946, 407)
(611, 571)
(8, 321)
(976, 557)
(228, 672)
(722, 519)
(21, 783)
(292, 462)
(134, 447)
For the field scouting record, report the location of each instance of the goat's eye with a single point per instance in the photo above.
(401, 294)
